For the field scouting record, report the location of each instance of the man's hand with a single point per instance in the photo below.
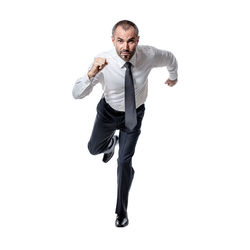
(171, 83)
(98, 65)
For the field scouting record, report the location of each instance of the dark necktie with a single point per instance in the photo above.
(130, 109)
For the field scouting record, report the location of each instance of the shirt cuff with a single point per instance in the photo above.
(173, 76)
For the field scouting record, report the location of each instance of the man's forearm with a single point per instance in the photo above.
(82, 87)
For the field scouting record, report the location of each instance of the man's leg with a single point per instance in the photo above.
(125, 171)
(103, 130)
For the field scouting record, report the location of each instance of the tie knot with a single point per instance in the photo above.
(128, 65)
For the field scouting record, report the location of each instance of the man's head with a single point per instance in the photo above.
(125, 39)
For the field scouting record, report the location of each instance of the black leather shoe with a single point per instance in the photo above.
(121, 220)
(107, 156)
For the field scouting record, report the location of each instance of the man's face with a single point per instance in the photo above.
(125, 42)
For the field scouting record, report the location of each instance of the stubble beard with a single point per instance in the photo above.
(126, 57)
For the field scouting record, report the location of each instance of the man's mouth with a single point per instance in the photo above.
(125, 52)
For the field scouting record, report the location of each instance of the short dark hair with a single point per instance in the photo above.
(126, 24)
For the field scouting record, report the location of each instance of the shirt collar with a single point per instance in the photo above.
(121, 62)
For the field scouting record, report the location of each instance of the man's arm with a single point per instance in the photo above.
(166, 58)
(85, 84)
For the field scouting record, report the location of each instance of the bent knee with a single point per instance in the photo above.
(92, 149)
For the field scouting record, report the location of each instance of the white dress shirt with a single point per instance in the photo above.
(112, 76)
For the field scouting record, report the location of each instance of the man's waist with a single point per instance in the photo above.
(113, 109)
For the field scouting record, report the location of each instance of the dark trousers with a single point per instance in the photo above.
(107, 122)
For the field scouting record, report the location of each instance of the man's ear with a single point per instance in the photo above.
(138, 38)
(113, 39)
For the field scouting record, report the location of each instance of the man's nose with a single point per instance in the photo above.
(126, 46)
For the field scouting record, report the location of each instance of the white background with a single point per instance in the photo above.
(191, 185)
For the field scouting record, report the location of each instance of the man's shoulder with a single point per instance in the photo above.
(146, 49)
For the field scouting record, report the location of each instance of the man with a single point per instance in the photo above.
(123, 73)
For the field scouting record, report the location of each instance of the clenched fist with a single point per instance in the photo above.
(98, 65)
(171, 83)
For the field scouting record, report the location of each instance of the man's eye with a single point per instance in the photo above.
(120, 41)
